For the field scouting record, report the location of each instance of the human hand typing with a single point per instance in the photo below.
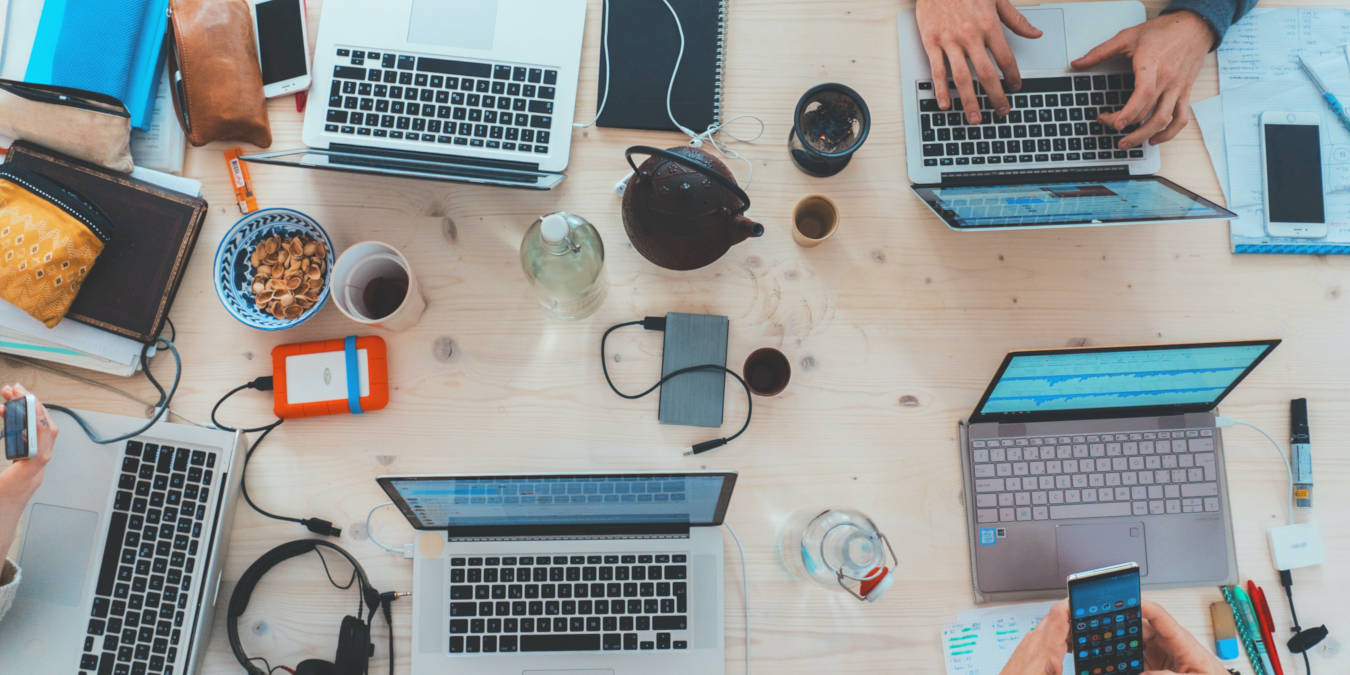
(956, 30)
(1167, 53)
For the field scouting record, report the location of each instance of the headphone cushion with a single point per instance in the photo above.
(316, 667)
(353, 651)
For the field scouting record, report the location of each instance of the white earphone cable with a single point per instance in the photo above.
(745, 589)
(406, 551)
(1228, 421)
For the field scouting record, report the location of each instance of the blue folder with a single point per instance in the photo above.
(113, 47)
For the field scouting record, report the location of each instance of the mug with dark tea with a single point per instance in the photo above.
(374, 284)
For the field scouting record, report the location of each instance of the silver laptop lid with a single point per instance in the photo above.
(518, 505)
(1096, 382)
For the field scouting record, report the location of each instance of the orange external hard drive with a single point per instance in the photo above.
(331, 377)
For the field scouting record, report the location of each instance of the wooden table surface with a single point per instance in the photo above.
(893, 329)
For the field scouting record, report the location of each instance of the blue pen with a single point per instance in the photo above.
(1327, 96)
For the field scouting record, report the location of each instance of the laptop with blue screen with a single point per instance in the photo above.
(1082, 458)
(613, 573)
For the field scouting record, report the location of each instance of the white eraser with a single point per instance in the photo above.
(1295, 546)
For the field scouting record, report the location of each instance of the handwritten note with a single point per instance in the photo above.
(1265, 45)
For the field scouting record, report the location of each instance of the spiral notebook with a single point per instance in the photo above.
(643, 44)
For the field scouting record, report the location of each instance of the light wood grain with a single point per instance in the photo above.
(893, 328)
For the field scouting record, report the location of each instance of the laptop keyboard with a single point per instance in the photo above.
(1094, 476)
(559, 603)
(149, 561)
(441, 102)
(1053, 119)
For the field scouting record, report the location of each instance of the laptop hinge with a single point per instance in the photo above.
(588, 531)
(1023, 176)
(434, 157)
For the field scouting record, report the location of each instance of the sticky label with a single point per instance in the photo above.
(988, 536)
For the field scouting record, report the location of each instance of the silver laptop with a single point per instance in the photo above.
(122, 551)
(475, 91)
(1077, 459)
(1048, 163)
(579, 573)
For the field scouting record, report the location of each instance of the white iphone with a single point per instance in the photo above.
(1291, 158)
(283, 46)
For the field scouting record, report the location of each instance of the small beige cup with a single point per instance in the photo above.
(814, 220)
(357, 267)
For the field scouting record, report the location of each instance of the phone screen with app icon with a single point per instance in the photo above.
(1106, 630)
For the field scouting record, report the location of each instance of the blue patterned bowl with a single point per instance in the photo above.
(234, 272)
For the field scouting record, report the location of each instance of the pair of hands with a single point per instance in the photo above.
(21, 479)
(1167, 52)
(1169, 649)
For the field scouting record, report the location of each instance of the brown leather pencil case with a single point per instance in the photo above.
(216, 80)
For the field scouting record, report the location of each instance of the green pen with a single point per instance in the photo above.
(1252, 627)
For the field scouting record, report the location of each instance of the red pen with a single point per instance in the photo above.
(1267, 622)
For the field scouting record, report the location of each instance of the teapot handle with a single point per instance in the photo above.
(695, 165)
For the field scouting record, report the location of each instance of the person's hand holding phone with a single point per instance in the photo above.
(1042, 651)
(21, 479)
(1170, 649)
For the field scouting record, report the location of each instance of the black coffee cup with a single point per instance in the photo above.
(767, 372)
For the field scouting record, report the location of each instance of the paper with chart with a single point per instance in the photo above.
(980, 641)
(1259, 71)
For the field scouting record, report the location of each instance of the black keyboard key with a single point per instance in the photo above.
(550, 77)
(349, 73)
(560, 643)
(673, 572)
(1033, 85)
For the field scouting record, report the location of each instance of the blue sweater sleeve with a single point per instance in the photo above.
(1219, 14)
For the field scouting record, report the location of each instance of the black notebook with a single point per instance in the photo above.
(643, 44)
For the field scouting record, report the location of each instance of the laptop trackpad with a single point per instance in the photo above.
(1049, 51)
(56, 553)
(1088, 547)
(463, 24)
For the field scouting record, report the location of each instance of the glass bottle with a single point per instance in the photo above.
(563, 257)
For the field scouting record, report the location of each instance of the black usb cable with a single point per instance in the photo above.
(658, 323)
(316, 525)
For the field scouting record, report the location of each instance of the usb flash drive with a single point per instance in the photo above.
(1300, 451)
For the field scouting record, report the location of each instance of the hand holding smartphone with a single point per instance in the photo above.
(1291, 156)
(21, 436)
(283, 46)
(1105, 627)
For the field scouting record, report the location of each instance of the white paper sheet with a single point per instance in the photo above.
(980, 641)
(1265, 45)
(161, 146)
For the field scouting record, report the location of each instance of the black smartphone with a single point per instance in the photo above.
(1105, 628)
(21, 428)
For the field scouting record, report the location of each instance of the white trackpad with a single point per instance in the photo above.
(56, 553)
(1047, 52)
(464, 24)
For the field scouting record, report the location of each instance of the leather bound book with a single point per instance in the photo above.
(133, 283)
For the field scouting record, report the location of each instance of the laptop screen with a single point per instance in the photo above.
(1182, 378)
(440, 502)
(1119, 200)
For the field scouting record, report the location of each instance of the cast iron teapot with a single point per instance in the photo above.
(682, 208)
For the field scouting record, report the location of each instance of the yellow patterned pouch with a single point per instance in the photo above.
(49, 240)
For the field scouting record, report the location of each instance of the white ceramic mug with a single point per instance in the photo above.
(363, 263)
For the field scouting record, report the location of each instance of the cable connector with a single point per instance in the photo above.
(261, 383)
(705, 446)
(321, 526)
(654, 323)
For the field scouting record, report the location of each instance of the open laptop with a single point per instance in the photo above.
(474, 91)
(1048, 163)
(122, 551)
(1077, 459)
(579, 573)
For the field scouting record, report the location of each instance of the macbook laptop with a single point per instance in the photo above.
(1049, 162)
(577, 573)
(122, 550)
(1077, 459)
(474, 91)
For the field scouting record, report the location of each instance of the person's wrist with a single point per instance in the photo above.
(1197, 27)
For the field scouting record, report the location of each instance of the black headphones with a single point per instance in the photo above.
(354, 646)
